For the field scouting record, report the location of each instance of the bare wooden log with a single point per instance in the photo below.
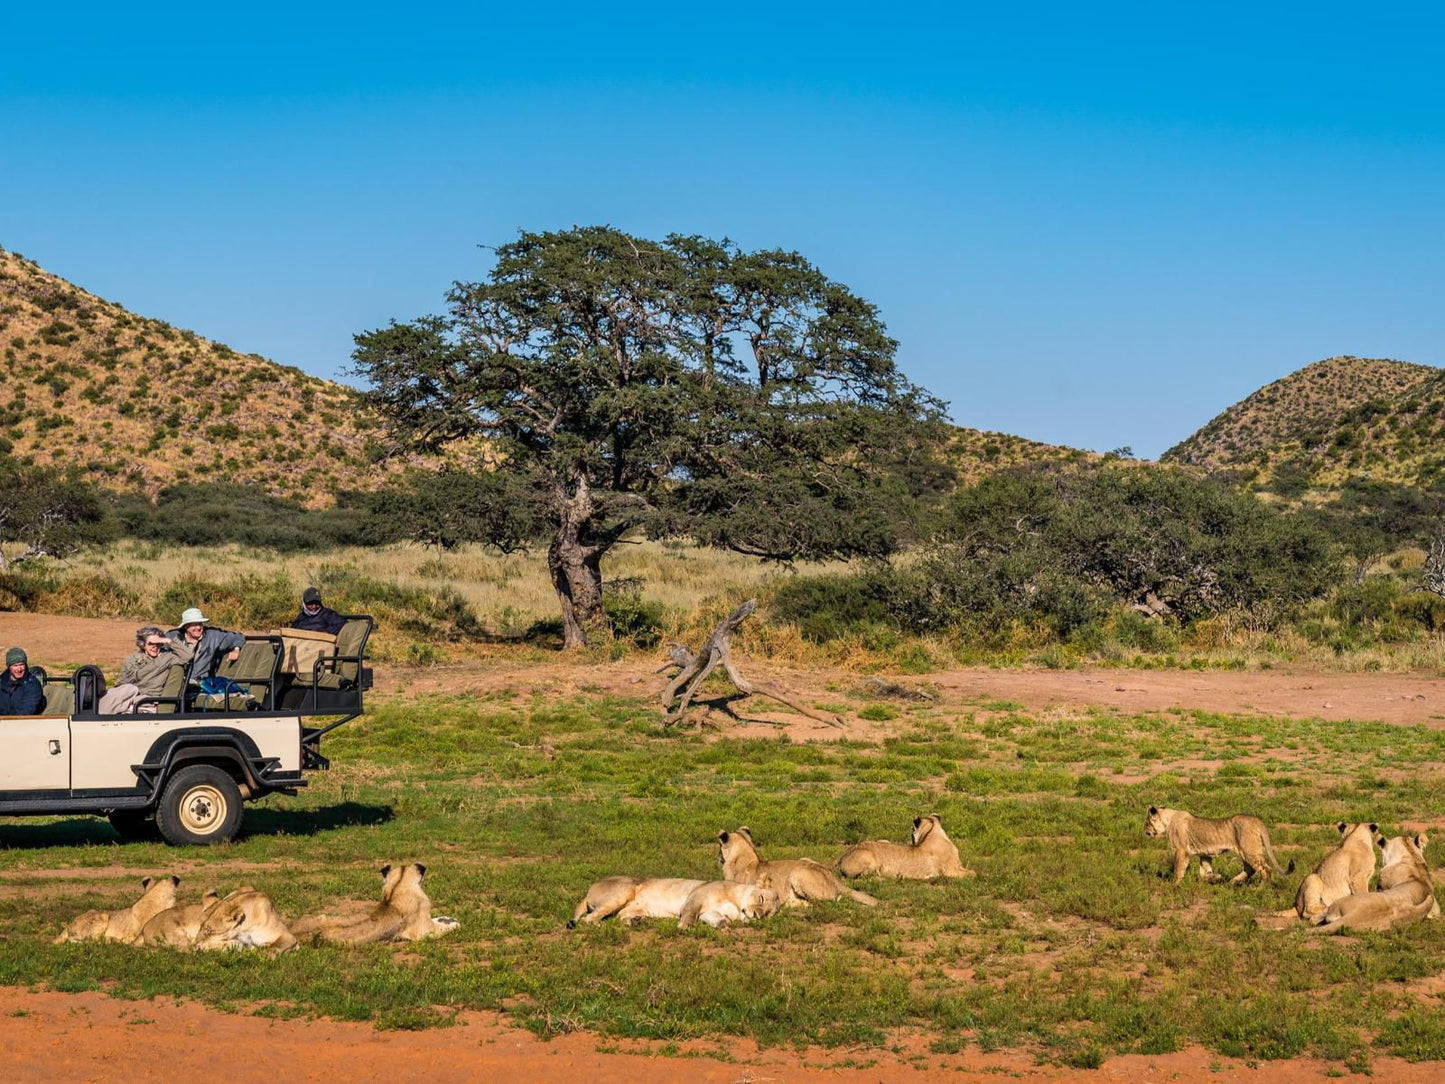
(694, 669)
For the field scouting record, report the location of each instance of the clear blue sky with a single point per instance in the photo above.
(1091, 224)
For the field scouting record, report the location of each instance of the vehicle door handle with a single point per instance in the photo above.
(54, 747)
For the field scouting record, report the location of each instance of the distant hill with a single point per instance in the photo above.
(975, 453)
(139, 404)
(1337, 419)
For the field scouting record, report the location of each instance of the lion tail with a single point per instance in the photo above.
(860, 897)
(1274, 862)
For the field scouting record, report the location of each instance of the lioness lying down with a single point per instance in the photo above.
(178, 926)
(1406, 892)
(717, 903)
(796, 880)
(931, 854)
(1207, 837)
(404, 914)
(632, 899)
(157, 894)
(244, 919)
(1344, 871)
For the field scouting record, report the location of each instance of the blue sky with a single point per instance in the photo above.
(1095, 225)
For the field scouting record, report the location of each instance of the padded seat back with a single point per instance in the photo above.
(59, 698)
(174, 686)
(351, 640)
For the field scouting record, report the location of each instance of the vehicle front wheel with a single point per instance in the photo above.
(200, 805)
(134, 825)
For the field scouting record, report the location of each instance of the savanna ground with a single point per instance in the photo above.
(519, 783)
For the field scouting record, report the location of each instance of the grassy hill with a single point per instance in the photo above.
(1340, 418)
(139, 404)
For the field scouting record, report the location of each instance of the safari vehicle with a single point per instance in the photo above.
(183, 770)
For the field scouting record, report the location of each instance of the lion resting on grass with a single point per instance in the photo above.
(717, 903)
(244, 919)
(931, 854)
(1208, 837)
(1345, 871)
(178, 926)
(157, 894)
(796, 880)
(632, 899)
(1406, 893)
(404, 914)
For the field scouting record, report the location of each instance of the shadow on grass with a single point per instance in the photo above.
(96, 831)
(310, 822)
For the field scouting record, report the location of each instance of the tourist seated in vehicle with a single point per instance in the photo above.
(147, 668)
(314, 617)
(206, 643)
(21, 692)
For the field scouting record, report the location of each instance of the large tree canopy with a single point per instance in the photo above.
(682, 387)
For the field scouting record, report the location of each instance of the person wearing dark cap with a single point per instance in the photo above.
(20, 690)
(315, 617)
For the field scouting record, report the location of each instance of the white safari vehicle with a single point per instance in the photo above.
(182, 768)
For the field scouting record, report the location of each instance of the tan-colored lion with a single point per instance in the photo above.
(1406, 893)
(1208, 837)
(244, 919)
(1344, 871)
(795, 880)
(632, 899)
(177, 926)
(931, 854)
(404, 914)
(717, 903)
(157, 894)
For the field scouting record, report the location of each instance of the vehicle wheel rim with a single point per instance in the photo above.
(203, 809)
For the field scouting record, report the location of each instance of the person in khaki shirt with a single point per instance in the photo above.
(151, 662)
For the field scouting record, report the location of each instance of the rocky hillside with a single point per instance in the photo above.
(139, 404)
(1339, 418)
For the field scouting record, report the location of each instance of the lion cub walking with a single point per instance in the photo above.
(1208, 837)
(1406, 892)
(157, 894)
(931, 854)
(404, 914)
(796, 880)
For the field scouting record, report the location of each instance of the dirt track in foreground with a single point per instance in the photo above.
(82, 1037)
(74, 1037)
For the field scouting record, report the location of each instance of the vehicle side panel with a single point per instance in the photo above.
(105, 749)
(28, 763)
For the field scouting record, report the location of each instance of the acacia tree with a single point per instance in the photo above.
(675, 388)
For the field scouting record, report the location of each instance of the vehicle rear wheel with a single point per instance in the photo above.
(135, 825)
(199, 805)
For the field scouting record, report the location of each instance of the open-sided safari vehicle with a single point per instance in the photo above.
(184, 769)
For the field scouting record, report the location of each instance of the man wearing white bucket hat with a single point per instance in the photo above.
(207, 642)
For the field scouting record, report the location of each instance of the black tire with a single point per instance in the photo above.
(135, 825)
(200, 805)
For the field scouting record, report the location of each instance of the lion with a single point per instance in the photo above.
(931, 854)
(1346, 870)
(632, 899)
(178, 926)
(244, 919)
(1207, 837)
(404, 914)
(157, 894)
(796, 880)
(1406, 892)
(717, 903)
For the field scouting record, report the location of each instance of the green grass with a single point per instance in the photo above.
(1069, 943)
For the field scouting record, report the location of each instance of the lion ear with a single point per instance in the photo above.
(722, 837)
(746, 831)
(1374, 827)
(917, 821)
(386, 869)
(175, 881)
(420, 871)
(1421, 839)
(1342, 827)
(1153, 810)
(146, 882)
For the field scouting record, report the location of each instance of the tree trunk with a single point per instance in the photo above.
(576, 569)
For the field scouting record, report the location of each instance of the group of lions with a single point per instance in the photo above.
(247, 918)
(1337, 895)
(754, 888)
